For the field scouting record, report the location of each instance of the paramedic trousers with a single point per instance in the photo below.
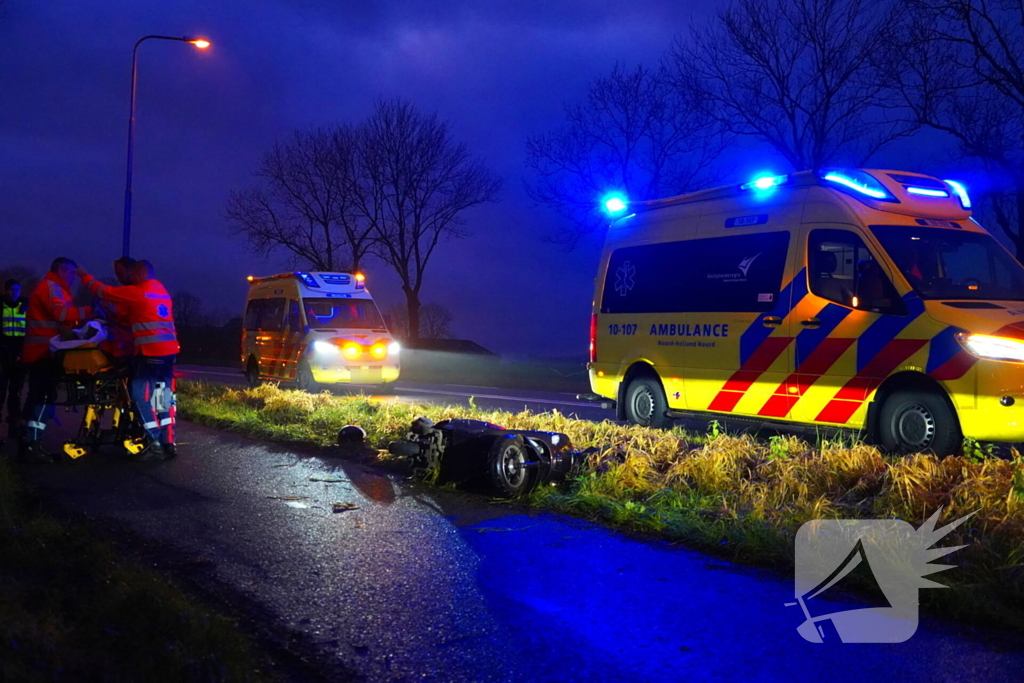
(152, 378)
(42, 394)
(12, 380)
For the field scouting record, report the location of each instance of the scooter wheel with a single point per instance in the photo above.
(507, 466)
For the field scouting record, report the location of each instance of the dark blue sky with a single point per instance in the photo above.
(499, 71)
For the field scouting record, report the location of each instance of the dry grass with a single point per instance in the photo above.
(740, 496)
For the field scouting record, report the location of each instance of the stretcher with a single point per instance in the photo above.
(90, 380)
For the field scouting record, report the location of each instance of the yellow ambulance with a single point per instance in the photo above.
(862, 299)
(315, 328)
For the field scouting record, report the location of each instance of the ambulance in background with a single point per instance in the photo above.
(864, 299)
(316, 329)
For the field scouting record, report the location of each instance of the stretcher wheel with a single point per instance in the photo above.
(134, 446)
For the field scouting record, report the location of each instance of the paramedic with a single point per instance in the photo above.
(147, 306)
(49, 309)
(12, 338)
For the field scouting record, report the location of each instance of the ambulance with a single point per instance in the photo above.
(851, 298)
(313, 329)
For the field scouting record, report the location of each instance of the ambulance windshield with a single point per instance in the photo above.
(337, 314)
(952, 264)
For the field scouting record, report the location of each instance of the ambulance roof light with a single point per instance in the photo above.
(614, 204)
(765, 182)
(307, 279)
(360, 281)
(250, 278)
(927, 192)
(961, 192)
(858, 182)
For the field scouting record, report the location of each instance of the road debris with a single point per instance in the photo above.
(343, 507)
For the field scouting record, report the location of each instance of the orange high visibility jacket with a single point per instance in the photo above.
(148, 309)
(49, 309)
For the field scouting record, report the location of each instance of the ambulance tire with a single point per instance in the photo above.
(919, 421)
(646, 403)
(304, 379)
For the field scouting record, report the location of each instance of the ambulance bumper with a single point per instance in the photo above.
(354, 374)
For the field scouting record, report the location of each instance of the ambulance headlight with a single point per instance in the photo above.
(993, 348)
(394, 348)
(325, 348)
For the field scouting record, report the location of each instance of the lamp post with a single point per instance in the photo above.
(200, 43)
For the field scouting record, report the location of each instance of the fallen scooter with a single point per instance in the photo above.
(511, 461)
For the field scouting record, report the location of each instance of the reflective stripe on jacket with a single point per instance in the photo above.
(49, 308)
(12, 319)
(149, 310)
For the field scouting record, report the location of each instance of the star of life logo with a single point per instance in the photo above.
(163, 311)
(886, 560)
(624, 278)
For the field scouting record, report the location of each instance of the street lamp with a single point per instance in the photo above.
(200, 43)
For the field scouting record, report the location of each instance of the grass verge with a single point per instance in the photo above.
(734, 495)
(71, 608)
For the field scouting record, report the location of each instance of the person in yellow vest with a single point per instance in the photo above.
(12, 341)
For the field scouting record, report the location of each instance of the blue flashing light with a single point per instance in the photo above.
(859, 182)
(961, 193)
(765, 182)
(307, 279)
(615, 204)
(927, 192)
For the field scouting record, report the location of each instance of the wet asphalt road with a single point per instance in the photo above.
(423, 584)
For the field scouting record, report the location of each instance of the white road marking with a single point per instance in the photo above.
(493, 397)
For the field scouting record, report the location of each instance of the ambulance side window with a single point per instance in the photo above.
(738, 273)
(294, 316)
(252, 313)
(840, 268)
(272, 318)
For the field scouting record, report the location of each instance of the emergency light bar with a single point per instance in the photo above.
(961, 192)
(858, 183)
(615, 204)
(766, 182)
(927, 192)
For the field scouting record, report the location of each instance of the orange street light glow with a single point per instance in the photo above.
(201, 43)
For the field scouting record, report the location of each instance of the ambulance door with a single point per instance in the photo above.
(844, 327)
(294, 335)
(738, 352)
(269, 340)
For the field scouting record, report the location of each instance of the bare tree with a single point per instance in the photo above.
(796, 74)
(304, 202)
(958, 65)
(187, 309)
(415, 184)
(633, 133)
(435, 322)
(397, 317)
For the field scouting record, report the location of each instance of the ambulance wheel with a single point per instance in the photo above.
(507, 466)
(252, 374)
(646, 403)
(304, 378)
(919, 421)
